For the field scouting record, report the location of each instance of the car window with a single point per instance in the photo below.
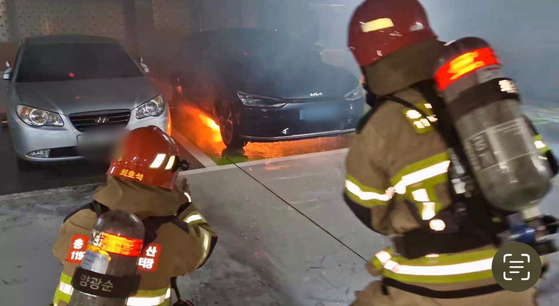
(81, 61)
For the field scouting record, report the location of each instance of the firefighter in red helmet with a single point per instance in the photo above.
(142, 179)
(397, 172)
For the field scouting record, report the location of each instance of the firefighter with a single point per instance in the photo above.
(142, 179)
(397, 173)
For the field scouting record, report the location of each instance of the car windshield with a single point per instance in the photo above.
(262, 50)
(82, 61)
(275, 45)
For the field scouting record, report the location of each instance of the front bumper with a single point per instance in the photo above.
(63, 141)
(258, 124)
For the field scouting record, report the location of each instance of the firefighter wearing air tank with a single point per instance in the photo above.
(142, 180)
(401, 182)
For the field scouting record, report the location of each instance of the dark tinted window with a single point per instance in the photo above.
(43, 63)
(260, 49)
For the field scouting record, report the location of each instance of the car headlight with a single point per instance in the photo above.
(151, 108)
(259, 101)
(354, 94)
(38, 117)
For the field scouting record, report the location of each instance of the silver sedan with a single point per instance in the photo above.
(68, 93)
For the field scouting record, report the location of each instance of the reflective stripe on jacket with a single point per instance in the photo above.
(397, 172)
(436, 268)
(160, 297)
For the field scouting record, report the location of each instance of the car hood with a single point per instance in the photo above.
(299, 82)
(77, 96)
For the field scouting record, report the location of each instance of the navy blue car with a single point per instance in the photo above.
(264, 86)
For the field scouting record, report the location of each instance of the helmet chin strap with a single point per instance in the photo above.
(182, 165)
(370, 97)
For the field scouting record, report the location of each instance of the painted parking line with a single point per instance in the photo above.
(260, 162)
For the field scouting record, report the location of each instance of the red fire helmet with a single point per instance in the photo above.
(149, 156)
(381, 27)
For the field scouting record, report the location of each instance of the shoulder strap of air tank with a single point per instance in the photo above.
(94, 206)
(374, 103)
(83, 207)
(551, 159)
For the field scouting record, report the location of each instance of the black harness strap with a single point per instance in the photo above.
(454, 294)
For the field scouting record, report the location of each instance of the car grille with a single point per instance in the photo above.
(86, 122)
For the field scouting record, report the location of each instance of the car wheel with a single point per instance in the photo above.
(24, 166)
(229, 129)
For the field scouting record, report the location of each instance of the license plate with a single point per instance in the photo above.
(318, 113)
(99, 139)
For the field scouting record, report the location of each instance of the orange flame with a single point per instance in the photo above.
(209, 122)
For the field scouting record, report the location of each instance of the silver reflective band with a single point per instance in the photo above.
(187, 195)
(132, 301)
(65, 288)
(442, 270)
(192, 218)
(365, 195)
(421, 175)
(148, 301)
(400, 187)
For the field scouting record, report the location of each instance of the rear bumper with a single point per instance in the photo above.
(296, 137)
(286, 123)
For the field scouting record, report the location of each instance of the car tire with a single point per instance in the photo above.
(24, 166)
(229, 128)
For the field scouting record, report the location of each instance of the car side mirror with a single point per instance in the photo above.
(8, 74)
(145, 67)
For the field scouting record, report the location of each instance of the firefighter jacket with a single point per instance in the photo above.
(396, 183)
(175, 252)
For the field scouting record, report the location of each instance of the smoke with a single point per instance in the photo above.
(524, 34)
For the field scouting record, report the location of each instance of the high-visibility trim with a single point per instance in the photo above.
(170, 163)
(64, 290)
(142, 297)
(149, 297)
(364, 195)
(540, 145)
(444, 268)
(188, 196)
(206, 246)
(158, 161)
(192, 218)
(376, 25)
(419, 123)
(435, 170)
(424, 169)
(429, 172)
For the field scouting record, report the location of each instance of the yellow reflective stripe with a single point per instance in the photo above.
(421, 124)
(540, 145)
(444, 268)
(64, 290)
(197, 219)
(206, 246)
(194, 218)
(188, 196)
(364, 195)
(428, 168)
(150, 298)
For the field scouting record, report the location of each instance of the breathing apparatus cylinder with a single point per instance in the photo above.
(485, 108)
